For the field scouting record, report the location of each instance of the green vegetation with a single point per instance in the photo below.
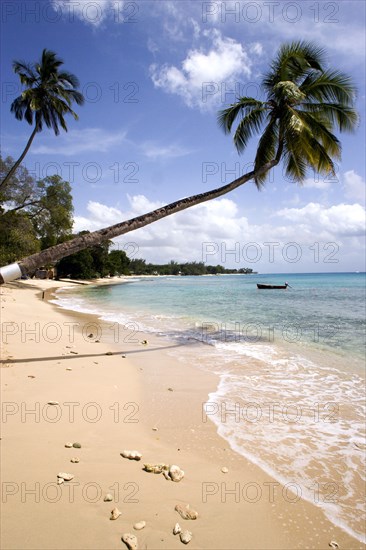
(17, 237)
(34, 215)
(94, 262)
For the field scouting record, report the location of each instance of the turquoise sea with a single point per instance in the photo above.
(291, 367)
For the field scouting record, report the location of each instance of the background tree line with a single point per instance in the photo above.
(140, 267)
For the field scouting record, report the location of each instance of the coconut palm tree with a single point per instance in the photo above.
(47, 98)
(304, 104)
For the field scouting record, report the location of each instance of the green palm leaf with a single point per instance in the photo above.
(315, 127)
(250, 124)
(266, 151)
(338, 115)
(292, 62)
(330, 86)
(295, 166)
(227, 117)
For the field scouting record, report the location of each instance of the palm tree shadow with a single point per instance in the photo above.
(88, 355)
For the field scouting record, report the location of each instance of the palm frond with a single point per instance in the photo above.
(249, 125)
(72, 95)
(25, 72)
(227, 117)
(308, 151)
(18, 107)
(292, 63)
(49, 92)
(330, 86)
(69, 79)
(345, 118)
(323, 164)
(295, 166)
(318, 128)
(266, 150)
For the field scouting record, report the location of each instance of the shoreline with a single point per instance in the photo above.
(134, 395)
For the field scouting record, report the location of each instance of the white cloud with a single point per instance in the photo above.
(107, 215)
(99, 140)
(354, 186)
(218, 218)
(277, 22)
(316, 23)
(316, 183)
(141, 204)
(203, 73)
(101, 215)
(81, 141)
(196, 28)
(337, 220)
(323, 33)
(154, 151)
(256, 48)
(218, 232)
(92, 12)
(152, 45)
(178, 20)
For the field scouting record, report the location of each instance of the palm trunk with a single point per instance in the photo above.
(50, 255)
(13, 169)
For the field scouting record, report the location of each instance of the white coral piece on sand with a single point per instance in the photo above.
(156, 468)
(185, 537)
(175, 473)
(115, 513)
(65, 476)
(177, 529)
(139, 525)
(130, 541)
(131, 455)
(186, 512)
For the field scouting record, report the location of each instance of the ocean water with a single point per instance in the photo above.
(291, 367)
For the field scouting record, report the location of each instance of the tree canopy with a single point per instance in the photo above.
(305, 104)
(33, 214)
(47, 97)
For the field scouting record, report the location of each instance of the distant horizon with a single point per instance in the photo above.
(357, 272)
(316, 273)
(256, 270)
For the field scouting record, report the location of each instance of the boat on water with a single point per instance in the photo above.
(271, 287)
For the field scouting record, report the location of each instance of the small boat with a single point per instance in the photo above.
(271, 287)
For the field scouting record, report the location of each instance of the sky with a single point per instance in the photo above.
(154, 75)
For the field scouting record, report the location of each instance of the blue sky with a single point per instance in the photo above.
(154, 75)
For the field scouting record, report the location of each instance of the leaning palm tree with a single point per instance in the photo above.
(47, 98)
(304, 104)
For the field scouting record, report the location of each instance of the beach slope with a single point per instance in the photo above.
(66, 378)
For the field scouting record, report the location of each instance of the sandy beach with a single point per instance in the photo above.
(114, 393)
